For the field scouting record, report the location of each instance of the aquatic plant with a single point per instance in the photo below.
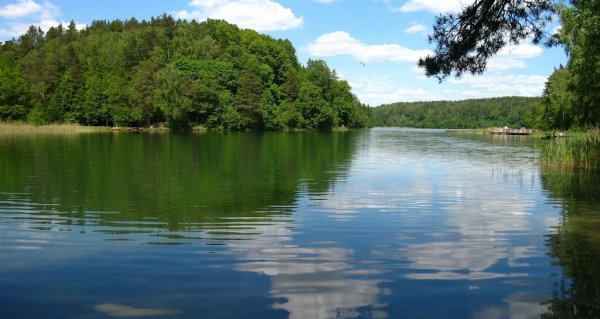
(576, 150)
(18, 128)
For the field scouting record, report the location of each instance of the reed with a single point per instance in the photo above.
(579, 150)
(26, 129)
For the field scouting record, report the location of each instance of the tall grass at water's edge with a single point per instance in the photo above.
(579, 150)
(24, 129)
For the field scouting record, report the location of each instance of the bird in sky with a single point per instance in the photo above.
(361, 62)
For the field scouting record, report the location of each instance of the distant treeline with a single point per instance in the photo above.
(476, 113)
(132, 73)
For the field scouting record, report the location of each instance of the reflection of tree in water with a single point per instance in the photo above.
(231, 190)
(170, 180)
(576, 243)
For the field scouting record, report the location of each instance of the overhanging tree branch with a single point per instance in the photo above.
(467, 40)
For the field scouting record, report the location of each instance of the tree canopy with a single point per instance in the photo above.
(465, 42)
(136, 73)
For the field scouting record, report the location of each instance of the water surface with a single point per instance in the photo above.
(382, 223)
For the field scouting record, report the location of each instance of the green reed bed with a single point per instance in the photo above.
(477, 131)
(576, 150)
(23, 129)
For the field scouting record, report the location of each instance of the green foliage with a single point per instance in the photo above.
(172, 96)
(477, 113)
(132, 73)
(556, 108)
(14, 95)
(577, 150)
(581, 35)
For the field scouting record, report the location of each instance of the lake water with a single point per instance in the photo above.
(381, 223)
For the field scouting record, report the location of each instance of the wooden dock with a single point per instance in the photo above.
(510, 131)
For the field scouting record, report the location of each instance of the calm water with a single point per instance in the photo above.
(370, 224)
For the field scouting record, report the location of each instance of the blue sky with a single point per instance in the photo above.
(387, 36)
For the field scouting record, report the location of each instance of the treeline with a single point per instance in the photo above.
(572, 94)
(475, 113)
(131, 73)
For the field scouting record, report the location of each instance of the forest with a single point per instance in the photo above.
(466, 114)
(138, 73)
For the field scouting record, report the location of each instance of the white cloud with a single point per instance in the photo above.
(14, 30)
(433, 6)
(416, 28)
(499, 85)
(21, 8)
(377, 90)
(342, 43)
(514, 57)
(24, 13)
(385, 89)
(260, 15)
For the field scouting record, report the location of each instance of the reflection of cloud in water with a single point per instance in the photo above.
(474, 216)
(451, 259)
(520, 305)
(484, 226)
(316, 282)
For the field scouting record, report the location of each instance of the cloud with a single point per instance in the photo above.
(514, 57)
(341, 43)
(499, 85)
(416, 28)
(20, 9)
(384, 89)
(312, 280)
(260, 15)
(25, 13)
(324, 1)
(433, 6)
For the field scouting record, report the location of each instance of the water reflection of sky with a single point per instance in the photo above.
(435, 214)
(420, 225)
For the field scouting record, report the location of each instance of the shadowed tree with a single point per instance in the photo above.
(466, 40)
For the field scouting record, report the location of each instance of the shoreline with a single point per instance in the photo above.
(22, 128)
(16, 128)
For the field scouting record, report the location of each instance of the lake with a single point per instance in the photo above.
(380, 223)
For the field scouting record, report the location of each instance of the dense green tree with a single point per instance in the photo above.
(476, 113)
(316, 112)
(581, 36)
(558, 101)
(14, 104)
(132, 73)
(63, 99)
(248, 100)
(172, 96)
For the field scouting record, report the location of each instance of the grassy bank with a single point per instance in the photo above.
(24, 129)
(578, 150)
